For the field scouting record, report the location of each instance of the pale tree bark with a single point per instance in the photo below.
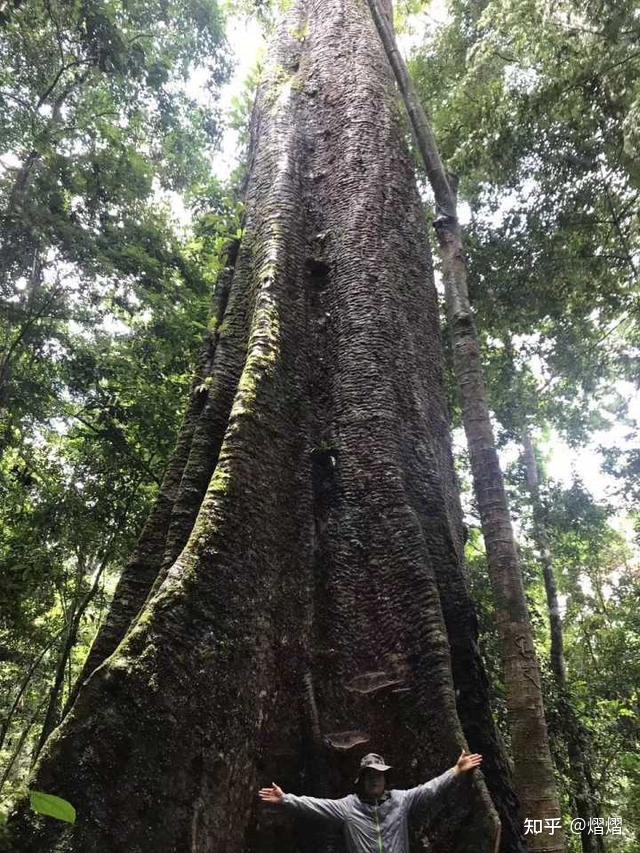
(584, 794)
(534, 773)
(309, 601)
(541, 539)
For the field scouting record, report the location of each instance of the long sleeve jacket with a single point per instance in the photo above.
(379, 826)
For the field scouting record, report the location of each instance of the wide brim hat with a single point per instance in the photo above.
(372, 761)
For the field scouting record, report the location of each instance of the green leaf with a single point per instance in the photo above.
(53, 806)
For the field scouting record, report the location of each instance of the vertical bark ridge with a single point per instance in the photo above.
(211, 426)
(441, 518)
(374, 389)
(172, 718)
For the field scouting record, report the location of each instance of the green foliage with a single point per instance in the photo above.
(49, 804)
(532, 105)
(101, 122)
(105, 299)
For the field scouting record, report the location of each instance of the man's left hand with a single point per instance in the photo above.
(468, 761)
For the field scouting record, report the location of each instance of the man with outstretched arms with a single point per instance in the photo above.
(374, 819)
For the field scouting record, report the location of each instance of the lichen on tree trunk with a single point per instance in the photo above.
(306, 618)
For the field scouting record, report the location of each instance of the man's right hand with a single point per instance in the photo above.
(272, 795)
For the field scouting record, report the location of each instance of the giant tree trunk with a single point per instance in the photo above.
(584, 795)
(534, 774)
(319, 607)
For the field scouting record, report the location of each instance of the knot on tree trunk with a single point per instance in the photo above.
(445, 223)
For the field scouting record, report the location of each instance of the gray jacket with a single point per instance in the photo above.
(378, 826)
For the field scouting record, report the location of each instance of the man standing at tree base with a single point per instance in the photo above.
(374, 819)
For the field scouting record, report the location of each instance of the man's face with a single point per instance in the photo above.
(373, 783)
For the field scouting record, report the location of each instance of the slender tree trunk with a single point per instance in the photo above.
(319, 607)
(558, 664)
(534, 773)
(54, 710)
(20, 745)
(52, 715)
(584, 795)
(7, 720)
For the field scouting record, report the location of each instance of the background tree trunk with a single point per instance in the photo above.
(584, 794)
(319, 607)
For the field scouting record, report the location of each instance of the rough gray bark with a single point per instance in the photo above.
(534, 773)
(302, 623)
(585, 799)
